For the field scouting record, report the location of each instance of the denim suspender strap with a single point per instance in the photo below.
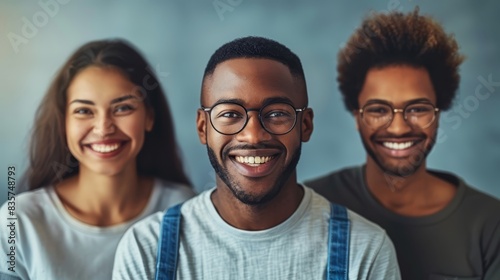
(168, 244)
(338, 244)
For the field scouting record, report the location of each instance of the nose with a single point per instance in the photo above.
(104, 125)
(398, 125)
(253, 132)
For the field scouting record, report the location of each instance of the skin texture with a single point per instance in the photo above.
(254, 198)
(94, 116)
(398, 178)
(105, 108)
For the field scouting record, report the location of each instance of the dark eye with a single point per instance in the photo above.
(229, 115)
(418, 109)
(121, 109)
(377, 110)
(228, 118)
(82, 111)
(276, 114)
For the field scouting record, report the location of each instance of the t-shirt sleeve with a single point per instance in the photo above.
(492, 265)
(372, 254)
(136, 253)
(385, 264)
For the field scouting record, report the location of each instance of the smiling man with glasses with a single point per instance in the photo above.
(396, 74)
(257, 222)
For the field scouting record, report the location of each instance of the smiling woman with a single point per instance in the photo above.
(105, 119)
(103, 156)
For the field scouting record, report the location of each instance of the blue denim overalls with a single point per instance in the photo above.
(338, 244)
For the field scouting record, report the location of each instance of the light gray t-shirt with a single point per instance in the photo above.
(295, 249)
(51, 244)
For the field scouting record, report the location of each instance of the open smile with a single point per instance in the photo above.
(254, 163)
(106, 150)
(253, 160)
(400, 148)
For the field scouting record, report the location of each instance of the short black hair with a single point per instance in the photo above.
(256, 47)
(399, 39)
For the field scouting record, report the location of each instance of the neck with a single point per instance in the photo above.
(118, 188)
(261, 216)
(416, 194)
(381, 181)
(105, 200)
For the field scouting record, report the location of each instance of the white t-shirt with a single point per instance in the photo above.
(51, 244)
(295, 249)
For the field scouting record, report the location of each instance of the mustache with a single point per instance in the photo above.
(258, 146)
(407, 135)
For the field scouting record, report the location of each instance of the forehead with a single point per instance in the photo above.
(95, 83)
(252, 80)
(397, 85)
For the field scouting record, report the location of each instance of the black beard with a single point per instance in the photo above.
(248, 198)
(413, 165)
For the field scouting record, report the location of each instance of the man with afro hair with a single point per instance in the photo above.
(396, 74)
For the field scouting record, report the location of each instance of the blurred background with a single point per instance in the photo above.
(178, 37)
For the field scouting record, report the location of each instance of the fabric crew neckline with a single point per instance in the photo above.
(257, 235)
(422, 220)
(113, 229)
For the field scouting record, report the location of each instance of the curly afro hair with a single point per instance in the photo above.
(399, 39)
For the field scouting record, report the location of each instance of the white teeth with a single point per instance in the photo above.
(253, 161)
(398, 146)
(103, 148)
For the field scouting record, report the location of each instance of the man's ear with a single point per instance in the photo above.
(307, 125)
(357, 118)
(201, 126)
(438, 115)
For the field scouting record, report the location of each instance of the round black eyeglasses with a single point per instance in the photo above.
(230, 118)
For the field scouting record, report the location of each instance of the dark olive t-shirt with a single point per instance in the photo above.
(462, 241)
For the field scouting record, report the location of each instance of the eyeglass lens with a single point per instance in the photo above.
(417, 114)
(231, 118)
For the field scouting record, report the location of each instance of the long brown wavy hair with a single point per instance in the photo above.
(49, 156)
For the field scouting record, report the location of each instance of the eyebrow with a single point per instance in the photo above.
(276, 100)
(265, 102)
(114, 101)
(417, 100)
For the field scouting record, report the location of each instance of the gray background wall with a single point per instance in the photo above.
(177, 37)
